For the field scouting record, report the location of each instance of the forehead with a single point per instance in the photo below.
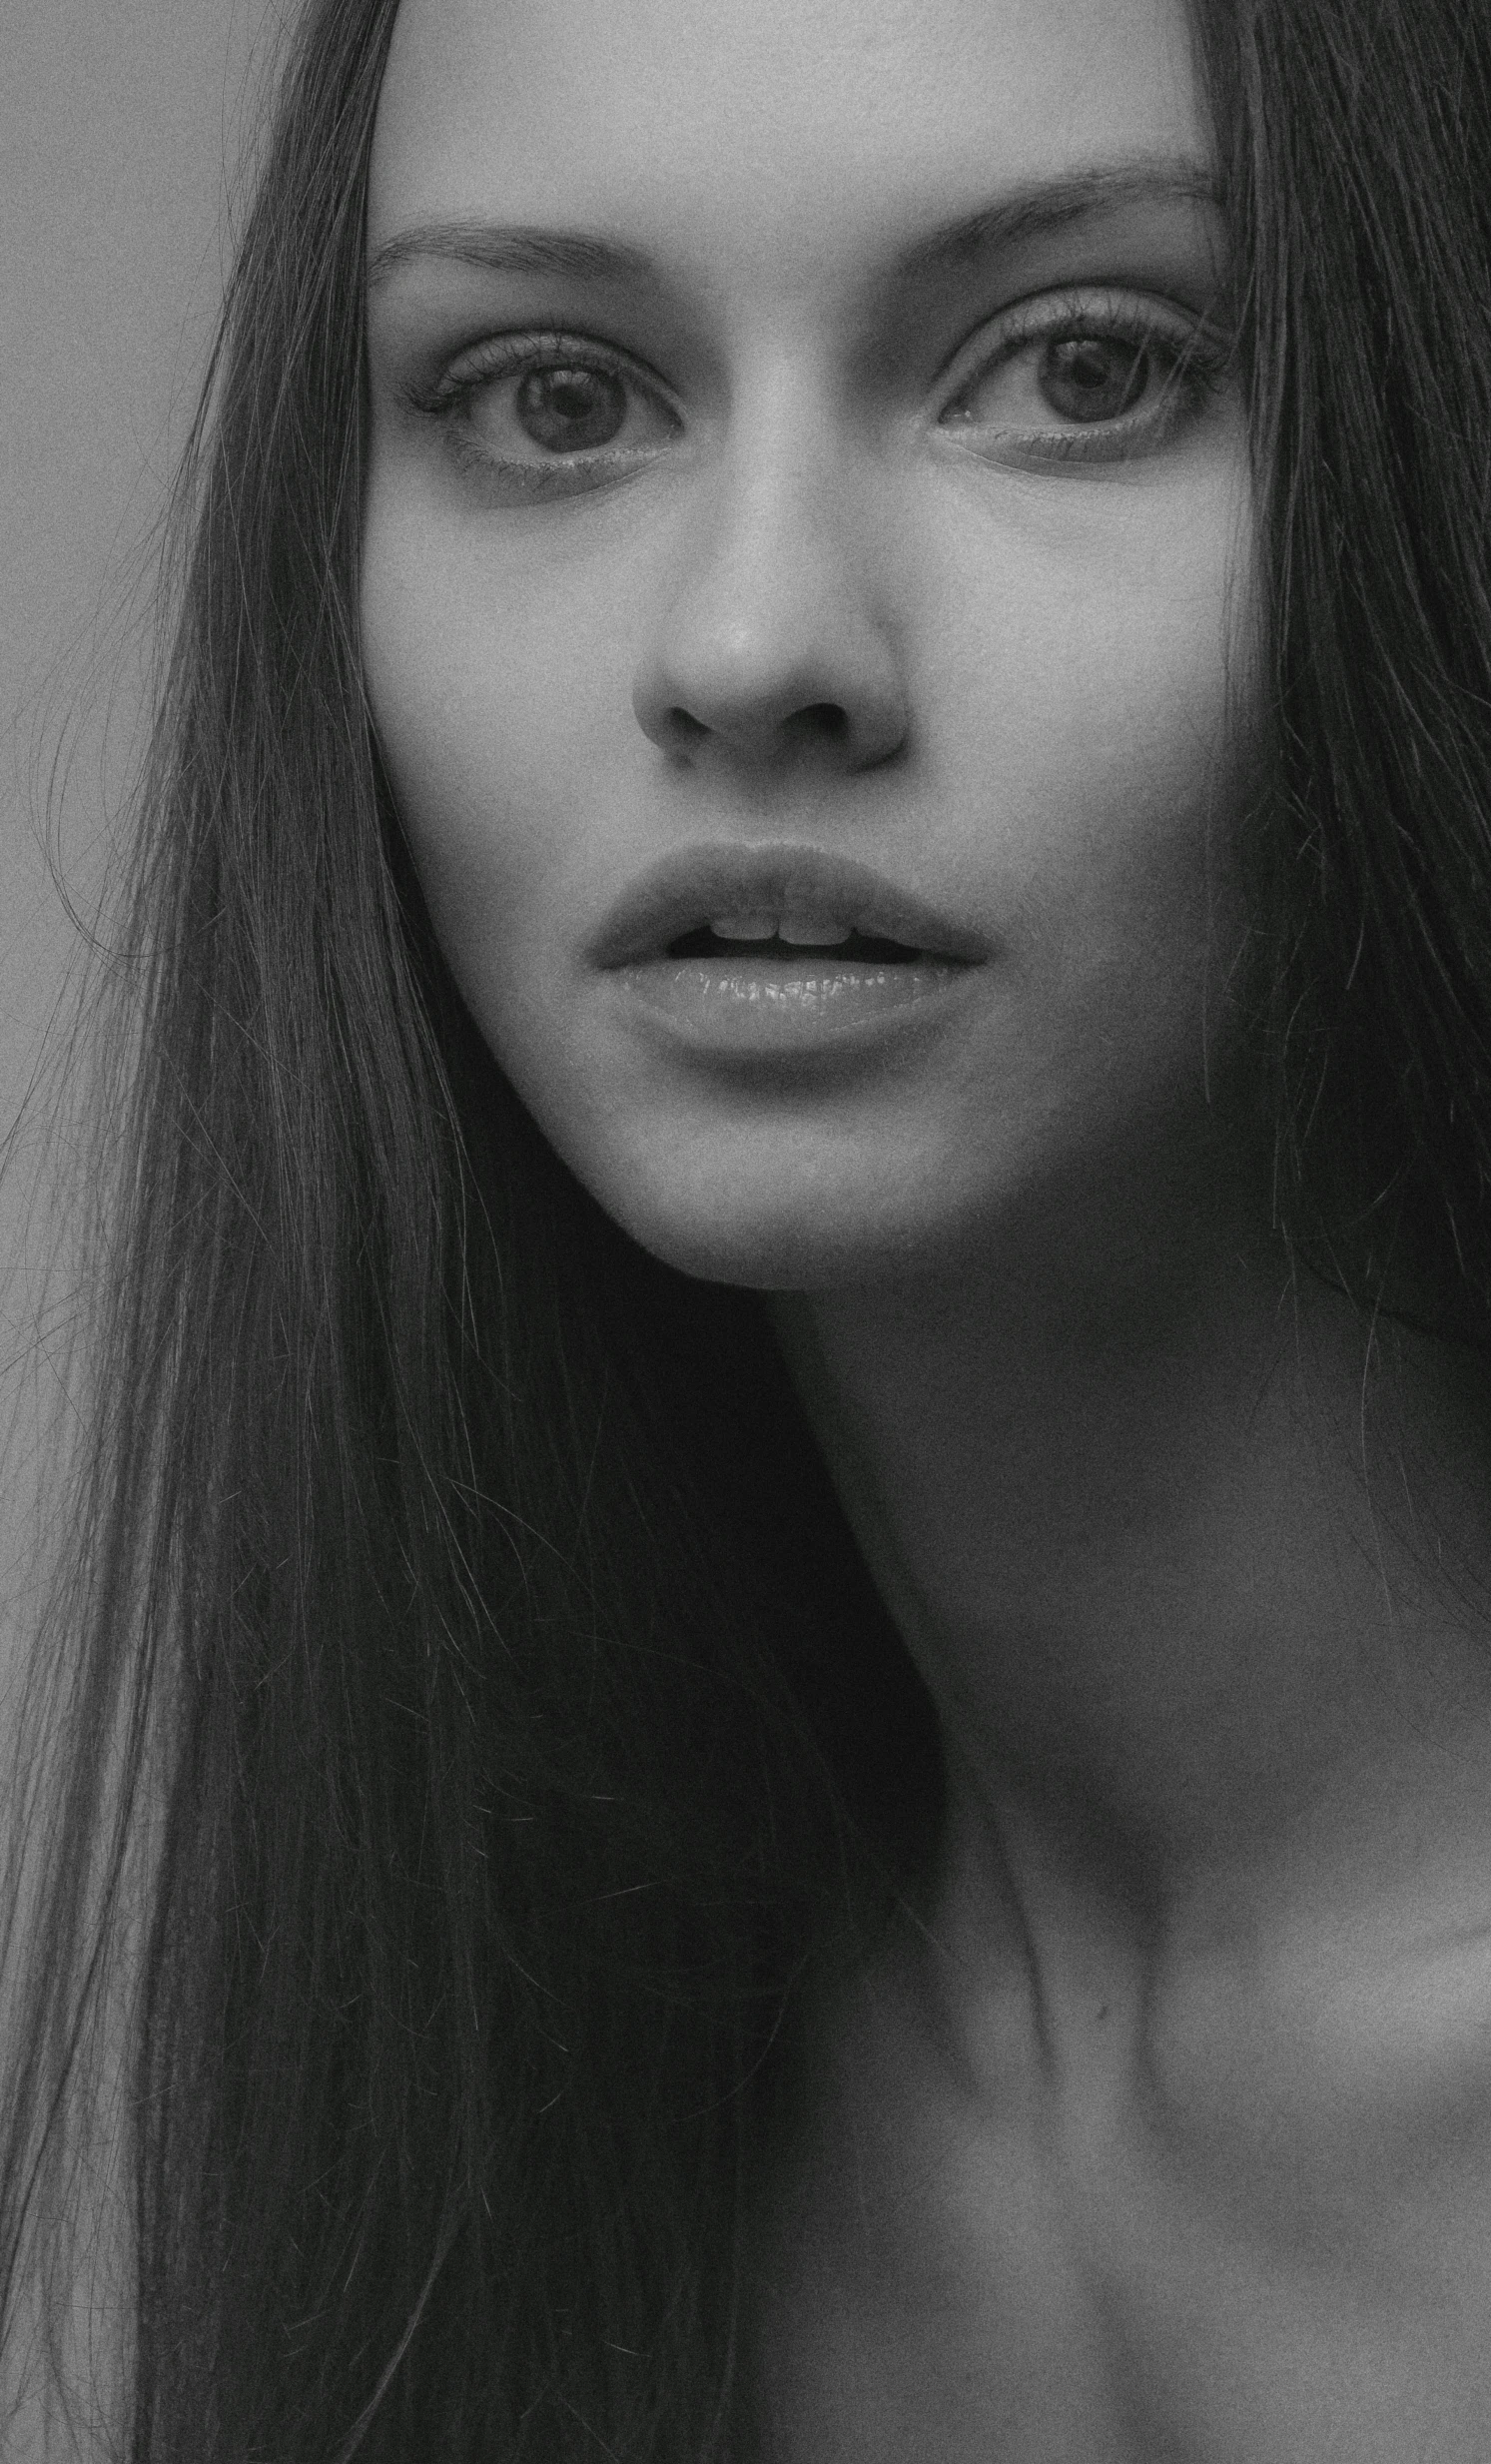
(754, 125)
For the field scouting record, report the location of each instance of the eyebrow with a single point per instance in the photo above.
(579, 255)
(1052, 205)
(1022, 214)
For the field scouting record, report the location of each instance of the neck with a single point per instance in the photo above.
(1189, 1560)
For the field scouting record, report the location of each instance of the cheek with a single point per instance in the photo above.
(1098, 695)
(494, 695)
(1100, 701)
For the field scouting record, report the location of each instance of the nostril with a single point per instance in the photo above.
(759, 734)
(819, 719)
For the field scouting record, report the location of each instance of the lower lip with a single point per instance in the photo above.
(779, 1006)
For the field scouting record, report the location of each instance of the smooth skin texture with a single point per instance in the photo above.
(1163, 2131)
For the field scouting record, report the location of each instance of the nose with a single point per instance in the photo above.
(768, 648)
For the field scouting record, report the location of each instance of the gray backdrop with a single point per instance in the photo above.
(118, 122)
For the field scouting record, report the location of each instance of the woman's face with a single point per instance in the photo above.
(799, 442)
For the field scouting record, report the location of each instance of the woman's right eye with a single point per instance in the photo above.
(551, 416)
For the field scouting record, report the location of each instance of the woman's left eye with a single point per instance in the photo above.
(546, 413)
(1089, 382)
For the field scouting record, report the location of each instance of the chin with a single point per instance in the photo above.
(802, 1244)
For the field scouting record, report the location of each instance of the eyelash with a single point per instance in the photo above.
(513, 354)
(1196, 360)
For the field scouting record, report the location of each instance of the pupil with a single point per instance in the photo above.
(1091, 377)
(567, 408)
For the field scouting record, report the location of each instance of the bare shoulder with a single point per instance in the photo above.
(1257, 2257)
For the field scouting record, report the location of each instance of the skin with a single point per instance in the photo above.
(1160, 2129)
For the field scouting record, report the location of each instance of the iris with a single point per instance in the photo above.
(566, 409)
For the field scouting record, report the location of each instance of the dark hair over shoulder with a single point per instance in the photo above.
(462, 1583)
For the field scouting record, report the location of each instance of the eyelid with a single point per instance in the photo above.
(501, 355)
(1042, 315)
(1200, 352)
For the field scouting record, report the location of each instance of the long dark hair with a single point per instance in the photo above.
(472, 1704)
(1357, 156)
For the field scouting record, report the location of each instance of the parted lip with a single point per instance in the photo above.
(685, 888)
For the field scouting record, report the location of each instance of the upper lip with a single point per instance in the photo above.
(684, 889)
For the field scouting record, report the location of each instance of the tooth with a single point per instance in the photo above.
(743, 927)
(813, 928)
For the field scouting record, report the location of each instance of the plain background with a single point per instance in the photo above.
(121, 123)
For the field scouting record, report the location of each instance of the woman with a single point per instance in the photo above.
(788, 1505)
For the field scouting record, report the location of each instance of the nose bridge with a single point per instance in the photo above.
(771, 633)
(782, 472)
